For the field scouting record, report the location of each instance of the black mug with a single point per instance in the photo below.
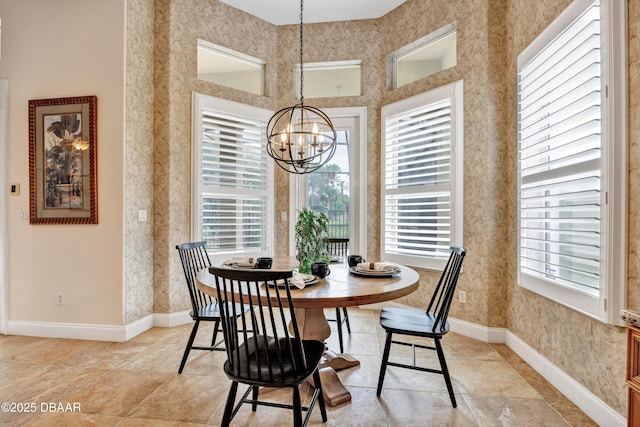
(320, 269)
(354, 260)
(264, 263)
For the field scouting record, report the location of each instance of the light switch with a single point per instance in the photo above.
(283, 216)
(14, 189)
(142, 215)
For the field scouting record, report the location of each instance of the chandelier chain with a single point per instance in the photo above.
(301, 44)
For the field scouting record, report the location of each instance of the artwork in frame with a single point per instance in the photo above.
(63, 160)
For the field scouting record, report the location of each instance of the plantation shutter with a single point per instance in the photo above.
(560, 197)
(418, 181)
(235, 183)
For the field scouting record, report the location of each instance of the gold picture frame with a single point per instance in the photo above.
(63, 160)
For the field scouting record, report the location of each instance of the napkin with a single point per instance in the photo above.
(377, 266)
(299, 280)
(240, 261)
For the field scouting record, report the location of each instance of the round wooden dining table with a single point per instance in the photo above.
(341, 288)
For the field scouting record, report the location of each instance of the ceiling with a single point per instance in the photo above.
(283, 12)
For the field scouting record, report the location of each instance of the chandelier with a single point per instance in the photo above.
(301, 138)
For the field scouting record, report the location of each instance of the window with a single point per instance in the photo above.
(422, 174)
(572, 160)
(329, 79)
(232, 179)
(430, 54)
(226, 67)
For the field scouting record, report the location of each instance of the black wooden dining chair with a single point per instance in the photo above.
(431, 323)
(339, 247)
(194, 258)
(266, 352)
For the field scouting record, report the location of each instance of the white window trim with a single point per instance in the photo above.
(200, 101)
(4, 207)
(455, 92)
(612, 296)
(358, 162)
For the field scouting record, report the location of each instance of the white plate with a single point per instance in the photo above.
(308, 281)
(373, 273)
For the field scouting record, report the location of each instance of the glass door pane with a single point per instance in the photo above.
(328, 188)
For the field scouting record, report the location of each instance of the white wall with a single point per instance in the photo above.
(54, 49)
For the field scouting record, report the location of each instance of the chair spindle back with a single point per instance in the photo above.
(337, 246)
(194, 258)
(443, 295)
(272, 352)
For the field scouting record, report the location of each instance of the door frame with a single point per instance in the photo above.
(358, 163)
(4, 208)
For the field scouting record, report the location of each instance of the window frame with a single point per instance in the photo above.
(201, 102)
(259, 66)
(424, 42)
(455, 93)
(611, 295)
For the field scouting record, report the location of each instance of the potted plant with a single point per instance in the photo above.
(310, 232)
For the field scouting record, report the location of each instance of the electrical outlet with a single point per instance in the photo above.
(60, 299)
(462, 297)
(142, 215)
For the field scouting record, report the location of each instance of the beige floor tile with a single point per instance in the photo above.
(489, 378)
(72, 419)
(106, 355)
(118, 392)
(508, 411)
(419, 408)
(184, 398)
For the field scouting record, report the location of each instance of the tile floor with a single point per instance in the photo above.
(136, 384)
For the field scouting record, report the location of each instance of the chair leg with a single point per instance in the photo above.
(254, 405)
(445, 372)
(339, 323)
(192, 337)
(318, 385)
(228, 408)
(383, 364)
(346, 318)
(216, 327)
(297, 407)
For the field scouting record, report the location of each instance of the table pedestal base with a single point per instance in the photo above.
(313, 325)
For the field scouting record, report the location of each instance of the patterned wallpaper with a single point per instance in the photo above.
(490, 35)
(138, 168)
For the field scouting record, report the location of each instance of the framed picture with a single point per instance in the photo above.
(63, 161)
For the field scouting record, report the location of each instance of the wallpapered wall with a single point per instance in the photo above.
(490, 35)
(138, 166)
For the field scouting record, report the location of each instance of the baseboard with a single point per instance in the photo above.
(169, 320)
(588, 402)
(68, 330)
(97, 332)
(137, 327)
